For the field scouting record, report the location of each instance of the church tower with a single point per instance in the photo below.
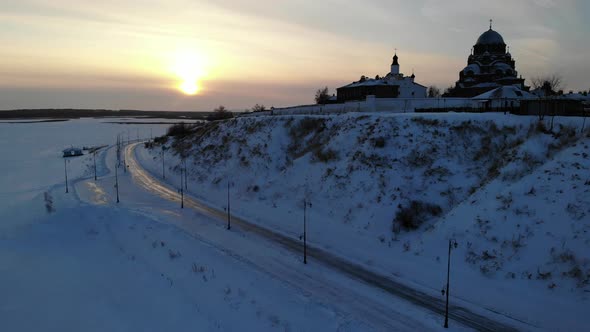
(395, 65)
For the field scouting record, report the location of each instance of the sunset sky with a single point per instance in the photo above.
(195, 55)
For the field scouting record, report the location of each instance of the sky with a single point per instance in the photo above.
(193, 55)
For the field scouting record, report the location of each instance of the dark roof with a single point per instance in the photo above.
(369, 82)
(490, 37)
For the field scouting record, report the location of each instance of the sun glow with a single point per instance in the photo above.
(190, 68)
(189, 87)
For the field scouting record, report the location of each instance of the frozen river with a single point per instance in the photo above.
(31, 161)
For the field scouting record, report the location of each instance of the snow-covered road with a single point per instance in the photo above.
(370, 299)
(337, 293)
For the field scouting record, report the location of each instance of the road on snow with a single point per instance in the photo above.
(434, 304)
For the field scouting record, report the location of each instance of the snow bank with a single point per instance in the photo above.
(360, 170)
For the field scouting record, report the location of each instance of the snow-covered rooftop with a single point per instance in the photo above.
(506, 92)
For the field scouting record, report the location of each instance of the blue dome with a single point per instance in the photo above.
(490, 37)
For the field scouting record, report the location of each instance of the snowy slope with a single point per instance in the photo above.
(359, 171)
(81, 262)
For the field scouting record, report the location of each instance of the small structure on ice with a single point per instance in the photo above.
(72, 152)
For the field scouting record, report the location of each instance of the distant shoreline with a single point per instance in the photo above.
(35, 121)
(144, 123)
(65, 114)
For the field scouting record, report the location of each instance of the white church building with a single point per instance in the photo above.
(392, 85)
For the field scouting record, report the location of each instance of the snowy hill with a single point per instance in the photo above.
(388, 191)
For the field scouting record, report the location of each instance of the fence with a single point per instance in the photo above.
(402, 105)
(372, 104)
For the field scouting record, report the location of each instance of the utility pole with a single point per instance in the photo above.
(94, 157)
(124, 163)
(452, 243)
(66, 171)
(117, 181)
(305, 204)
(185, 176)
(118, 149)
(163, 172)
(228, 205)
(181, 190)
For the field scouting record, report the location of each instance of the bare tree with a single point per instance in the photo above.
(433, 92)
(449, 90)
(322, 96)
(220, 113)
(549, 84)
(258, 108)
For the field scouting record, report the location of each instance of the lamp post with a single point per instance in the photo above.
(124, 162)
(66, 171)
(228, 206)
(117, 181)
(163, 171)
(181, 190)
(94, 157)
(452, 243)
(118, 148)
(305, 204)
(185, 176)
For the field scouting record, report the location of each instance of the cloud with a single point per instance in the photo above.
(284, 48)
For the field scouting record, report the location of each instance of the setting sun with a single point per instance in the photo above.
(190, 68)
(189, 87)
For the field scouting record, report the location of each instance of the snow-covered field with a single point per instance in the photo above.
(81, 262)
(516, 199)
(31, 152)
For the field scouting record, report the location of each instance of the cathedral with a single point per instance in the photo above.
(489, 66)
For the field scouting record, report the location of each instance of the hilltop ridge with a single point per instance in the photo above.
(389, 190)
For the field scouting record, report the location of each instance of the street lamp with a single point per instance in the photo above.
(181, 190)
(305, 204)
(228, 206)
(117, 181)
(185, 175)
(118, 149)
(163, 172)
(124, 162)
(452, 244)
(66, 171)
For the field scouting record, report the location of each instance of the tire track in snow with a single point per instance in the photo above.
(358, 272)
